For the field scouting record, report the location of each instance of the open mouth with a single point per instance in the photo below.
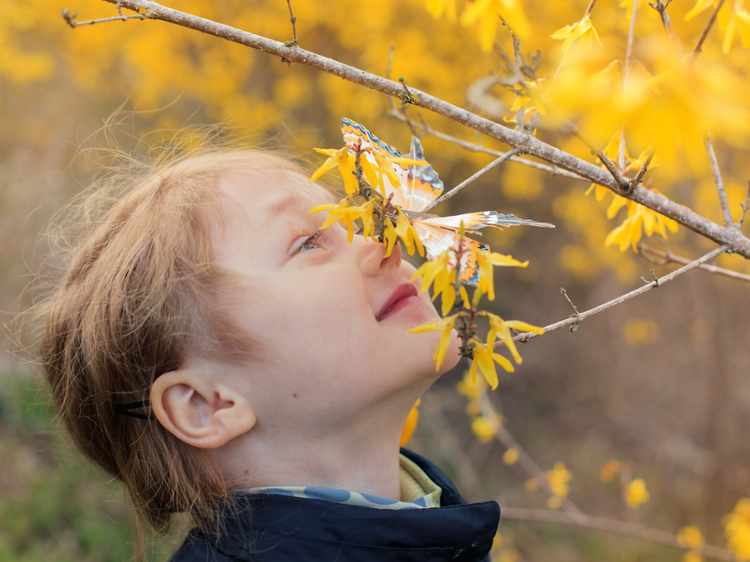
(398, 300)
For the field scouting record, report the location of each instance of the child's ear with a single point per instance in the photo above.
(199, 410)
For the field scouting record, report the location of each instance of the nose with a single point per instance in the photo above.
(373, 259)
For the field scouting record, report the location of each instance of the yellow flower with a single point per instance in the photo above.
(486, 12)
(639, 219)
(446, 327)
(738, 22)
(737, 529)
(699, 7)
(531, 485)
(485, 429)
(431, 270)
(471, 389)
(389, 236)
(500, 328)
(690, 537)
(558, 479)
(343, 213)
(368, 225)
(522, 100)
(485, 359)
(449, 298)
(636, 493)
(485, 261)
(344, 160)
(610, 468)
(583, 30)
(436, 8)
(510, 457)
(408, 234)
(411, 423)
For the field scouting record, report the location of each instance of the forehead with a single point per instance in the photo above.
(266, 195)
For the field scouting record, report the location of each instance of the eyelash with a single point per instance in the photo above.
(311, 240)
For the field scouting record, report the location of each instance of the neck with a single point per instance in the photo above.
(357, 458)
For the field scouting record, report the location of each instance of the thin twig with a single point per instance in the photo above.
(709, 24)
(613, 526)
(292, 19)
(472, 179)
(745, 207)
(70, 19)
(621, 299)
(524, 459)
(719, 182)
(525, 143)
(407, 97)
(621, 181)
(574, 326)
(590, 7)
(666, 22)
(639, 176)
(626, 80)
(668, 257)
(520, 115)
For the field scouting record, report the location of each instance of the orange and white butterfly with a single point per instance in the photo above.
(419, 186)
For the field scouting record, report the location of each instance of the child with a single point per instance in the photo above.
(222, 356)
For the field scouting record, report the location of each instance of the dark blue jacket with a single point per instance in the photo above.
(277, 528)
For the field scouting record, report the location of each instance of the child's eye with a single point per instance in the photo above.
(309, 243)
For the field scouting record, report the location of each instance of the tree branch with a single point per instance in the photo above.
(525, 143)
(520, 114)
(745, 207)
(668, 257)
(612, 526)
(491, 166)
(639, 176)
(625, 80)
(70, 19)
(719, 183)
(476, 147)
(697, 50)
(292, 19)
(622, 182)
(657, 282)
(666, 22)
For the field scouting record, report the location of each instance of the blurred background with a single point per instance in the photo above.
(660, 382)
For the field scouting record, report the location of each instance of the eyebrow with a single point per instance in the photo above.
(282, 207)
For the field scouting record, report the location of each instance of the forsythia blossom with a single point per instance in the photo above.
(636, 493)
(486, 14)
(446, 327)
(737, 529)
(583, 30)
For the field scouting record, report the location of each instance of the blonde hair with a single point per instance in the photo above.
(137, 296)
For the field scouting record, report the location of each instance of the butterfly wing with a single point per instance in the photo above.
(438, 234)
(423, 185)
(476, 221)
(436, 239)
(418, 185)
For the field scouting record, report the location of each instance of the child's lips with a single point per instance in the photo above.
(398, 300)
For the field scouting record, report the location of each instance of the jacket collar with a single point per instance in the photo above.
(289, 528)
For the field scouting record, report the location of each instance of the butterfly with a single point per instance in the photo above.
(419, 186)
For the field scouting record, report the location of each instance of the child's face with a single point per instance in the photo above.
(329, 316)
